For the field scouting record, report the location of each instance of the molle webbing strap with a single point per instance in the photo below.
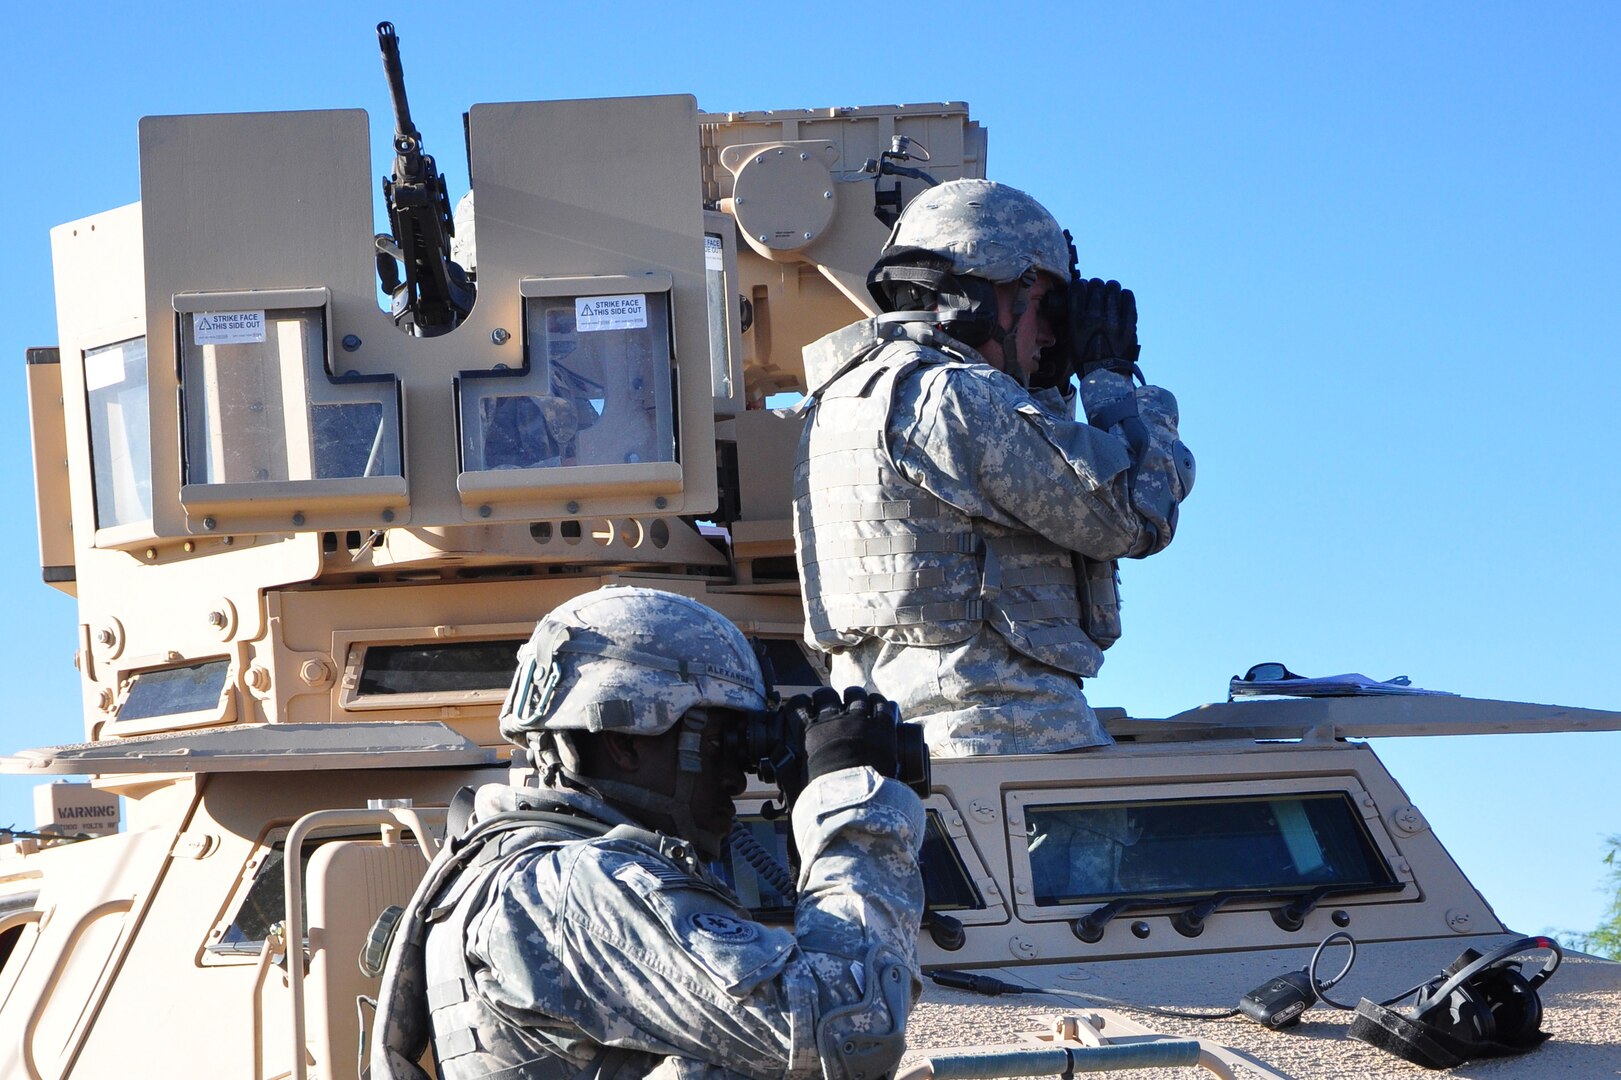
(832, 442)
(689, 670)
(1041, 609)
(830, 476)
(455, 1042)
(843, 612)
(449, 992)
(903, 581)
(1022, 545)
(1037, 575)
(953, 543)
(1063, 634)
(878, 510)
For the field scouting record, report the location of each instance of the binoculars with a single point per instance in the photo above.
(771, 744)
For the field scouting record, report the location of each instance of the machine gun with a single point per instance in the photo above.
(436, 293)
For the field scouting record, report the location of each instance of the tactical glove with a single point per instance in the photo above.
(860, 730)
(1103, 327)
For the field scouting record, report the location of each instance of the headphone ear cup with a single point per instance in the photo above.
(1515, 1008)
(1471, 1018)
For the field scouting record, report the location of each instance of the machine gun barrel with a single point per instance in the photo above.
(407, 140)
(436, 293)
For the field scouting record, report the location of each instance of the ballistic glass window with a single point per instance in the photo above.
(262, 406)
(720, 338)
(264, 906)
(438, 667)
(120, 439)
(946, 884)
(176, 690)
(265, 902)
(596, 388)
(1093, 852)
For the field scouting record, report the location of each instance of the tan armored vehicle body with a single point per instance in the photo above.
(305, 547)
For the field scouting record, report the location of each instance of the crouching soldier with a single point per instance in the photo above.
(573, 930)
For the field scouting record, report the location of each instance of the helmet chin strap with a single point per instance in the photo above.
(1009, 339)
(675, 808)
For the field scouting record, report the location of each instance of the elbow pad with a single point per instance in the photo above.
(1157, 407)
(865, 1041)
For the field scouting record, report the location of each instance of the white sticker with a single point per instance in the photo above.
(610, 313)
(103, 368)
(228, 327)
(714, 253)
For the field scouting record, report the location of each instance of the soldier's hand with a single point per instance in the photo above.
(1104, 327)
(860, 729)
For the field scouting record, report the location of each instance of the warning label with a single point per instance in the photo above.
(228, 327)
(610, 313)
(714, 253)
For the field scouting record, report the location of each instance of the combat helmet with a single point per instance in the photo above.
(634, 661)
(954, 243)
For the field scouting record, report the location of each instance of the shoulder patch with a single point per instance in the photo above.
(722, 927)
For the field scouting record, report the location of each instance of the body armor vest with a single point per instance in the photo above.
(881, 557)
(428, 984)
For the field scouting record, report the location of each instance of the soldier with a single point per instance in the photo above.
(943, 507)
(573, 929)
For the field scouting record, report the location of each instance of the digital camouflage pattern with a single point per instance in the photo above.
(629, 660)
(987, 230)
(936, 555)
(556, 949)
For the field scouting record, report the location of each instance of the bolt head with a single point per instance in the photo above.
(216, 619)
(500, 335)
(315, 672)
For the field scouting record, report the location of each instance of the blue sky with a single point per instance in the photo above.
(1374, 246)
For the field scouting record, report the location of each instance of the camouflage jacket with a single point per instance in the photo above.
(939, 504)
(556, 950)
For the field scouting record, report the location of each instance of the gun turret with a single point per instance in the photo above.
(436, 293)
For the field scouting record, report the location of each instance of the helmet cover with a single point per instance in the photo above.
(629, 660)
(987, 230)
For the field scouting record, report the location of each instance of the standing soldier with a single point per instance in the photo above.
(952, 523)
(574, 931)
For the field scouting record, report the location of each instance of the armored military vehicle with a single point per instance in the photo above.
(306, 533)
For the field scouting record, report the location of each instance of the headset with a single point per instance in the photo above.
(1480, 1006)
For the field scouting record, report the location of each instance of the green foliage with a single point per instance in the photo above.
(1605, 939)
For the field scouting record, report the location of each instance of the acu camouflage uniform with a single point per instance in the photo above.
(939, 504)
(577, 943)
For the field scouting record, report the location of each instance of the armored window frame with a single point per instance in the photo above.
(306, 502)
(106, 490)
(1021, 802)
(352, 648)
(223, 711)
(552, 491)
(721, 286)
(262, 879)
